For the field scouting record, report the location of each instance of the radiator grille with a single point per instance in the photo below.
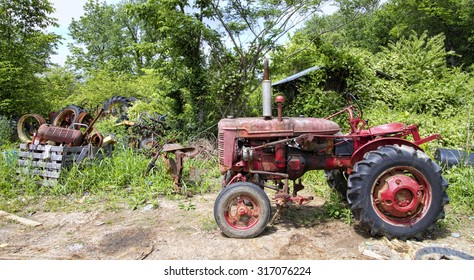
(221, 147)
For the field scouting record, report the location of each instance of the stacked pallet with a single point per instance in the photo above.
(47, 161)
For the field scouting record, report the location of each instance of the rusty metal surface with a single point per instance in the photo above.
(190, 151)
(173, 156)
(172, 147)
(260, 127)
(385, 129)
(60, 135)
(27, 126)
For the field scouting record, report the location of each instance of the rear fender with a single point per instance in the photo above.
(373, 145)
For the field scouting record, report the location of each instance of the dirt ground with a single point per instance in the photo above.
(177, 230)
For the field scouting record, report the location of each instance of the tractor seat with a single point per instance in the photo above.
(384, 129)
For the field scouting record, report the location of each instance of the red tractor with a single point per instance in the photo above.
(392, 186)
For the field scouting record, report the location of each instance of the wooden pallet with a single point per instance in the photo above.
(48, 161)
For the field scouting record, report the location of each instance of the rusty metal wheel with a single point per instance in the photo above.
(67, 116)
(27, 125)
(83, 120)
(149, 144)
(397, 191)
(242, 210)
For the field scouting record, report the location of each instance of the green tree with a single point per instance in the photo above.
(371, 25)
(106, 37)
(25, 48)
(60, 84)
(452, 18)
(253, 29)
(181, 38)
(167, 36)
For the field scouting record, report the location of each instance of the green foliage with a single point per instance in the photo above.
(25, 47)
(337, 209)
(461, 188)
(323, 92)
(452, 18)
(5, 130)
(59, 85)
(372, 24)
(187, 206)
(107, 37)
(150, 88)
(180, 34)
(421, 81)
(413, 59)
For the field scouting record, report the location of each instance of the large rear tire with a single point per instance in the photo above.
(242, 210)
(397, 191)
(117, 106)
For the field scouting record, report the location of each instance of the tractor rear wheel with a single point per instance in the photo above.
(117, 106)
(397, 191)
(242, 210)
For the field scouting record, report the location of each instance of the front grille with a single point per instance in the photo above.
(221, 147)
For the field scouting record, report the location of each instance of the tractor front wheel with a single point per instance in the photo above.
(242, 210)
(397, 191)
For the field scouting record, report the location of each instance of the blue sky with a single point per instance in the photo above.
(66, 10)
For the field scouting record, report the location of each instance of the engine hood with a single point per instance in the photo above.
(288, 127)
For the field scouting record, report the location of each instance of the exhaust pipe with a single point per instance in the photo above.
(266, 92)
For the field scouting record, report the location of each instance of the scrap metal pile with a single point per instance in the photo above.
(72, 128)
(72, 125)
(48, 148)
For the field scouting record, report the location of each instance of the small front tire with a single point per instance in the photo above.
(242, 210)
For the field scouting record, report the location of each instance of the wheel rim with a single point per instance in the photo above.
(65, 118)
(401, 196)
(83, 118)
(28, 125)
(242, 212)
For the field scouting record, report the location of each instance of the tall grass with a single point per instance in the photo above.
(461, 189)
(119, 181)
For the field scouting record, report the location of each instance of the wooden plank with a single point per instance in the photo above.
(40, 164)
(19, 219)
(47, 161)
(42, 173)
(73, 150)
(42, 147)
(29, 155)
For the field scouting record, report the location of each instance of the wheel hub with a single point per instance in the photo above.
(399, 196)
(243, 214)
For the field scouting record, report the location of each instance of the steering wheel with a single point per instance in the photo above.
(358, 110)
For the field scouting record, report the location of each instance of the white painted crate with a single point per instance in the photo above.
(48, 161)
